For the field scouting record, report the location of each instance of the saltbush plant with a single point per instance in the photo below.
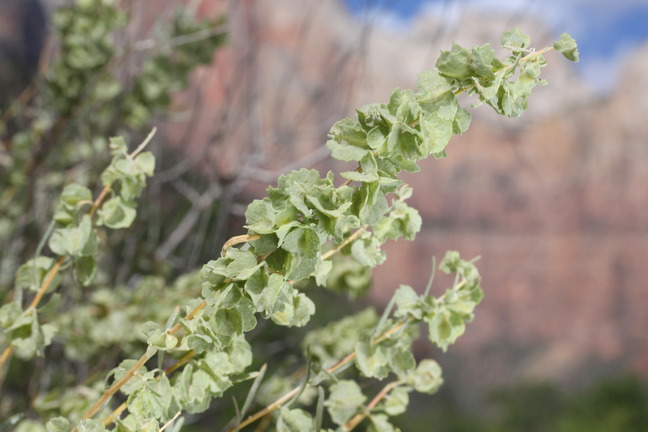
(170, 363)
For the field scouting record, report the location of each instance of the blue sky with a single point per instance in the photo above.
(605, 30)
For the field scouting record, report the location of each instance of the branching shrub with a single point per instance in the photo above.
(193, 354)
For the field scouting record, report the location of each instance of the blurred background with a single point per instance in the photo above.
(555, 203)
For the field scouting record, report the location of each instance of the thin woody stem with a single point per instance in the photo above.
(238, 239)
(141, 147)
(6, 354)
(185, 358)
(167, 424)
(116, 413)
(102, 195)
(8, 351)
(177, 327)
(46, 283)
(114, 388)
(348, 240)
(332, 369)
(357, 419)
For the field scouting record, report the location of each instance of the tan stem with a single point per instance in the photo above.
(348, 240)
(185, 358)
(332, 369)
(357, 419)
(141, 147)
(238, 239)
(46, 283)
(117, 412)
(267, 410)
(167, 424)
(8, 351)
(102, 195)
(114, 388)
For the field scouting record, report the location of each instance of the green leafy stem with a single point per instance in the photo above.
(76, 238)
(288, 229)
(306, 214)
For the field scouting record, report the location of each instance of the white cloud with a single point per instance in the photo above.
(581, 18)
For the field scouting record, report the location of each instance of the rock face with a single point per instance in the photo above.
(555, 203)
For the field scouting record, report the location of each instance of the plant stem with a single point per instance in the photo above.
(288, 396)
(185, 358)
(6, 354)
(167, 424)
(142, 146)
(46, 283)
(113, 415)
(177, 327)
(97, 203)
(8, 351)
(114, 388)
(348, 240)
(355, 421)
(238, 239)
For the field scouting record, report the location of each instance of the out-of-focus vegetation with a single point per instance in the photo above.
(609, 405)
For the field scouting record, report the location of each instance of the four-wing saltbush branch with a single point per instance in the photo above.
(293, 232)
(74, 238)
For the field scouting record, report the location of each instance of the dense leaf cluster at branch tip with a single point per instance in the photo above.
(292, 236)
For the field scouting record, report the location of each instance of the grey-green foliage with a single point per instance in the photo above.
(95, 85)
(75, 237)
(305, 214)
(293, 232)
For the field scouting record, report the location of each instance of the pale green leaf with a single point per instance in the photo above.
(516, 41)
(345, 400)
(260, 217)
(366, 250)
(567, 46)
(58, 424)
(85, 268)
(408, 302)
(396, 401)
(371, 360)
(304, 244)
(275, 296)
(293, 420)
(455, 63)
(322, 272)
(76, 241)
(380, 423)
(73, 198)
(31, 274)
(145, 161)
(116, 213)
(90, 425)
(427, 378)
